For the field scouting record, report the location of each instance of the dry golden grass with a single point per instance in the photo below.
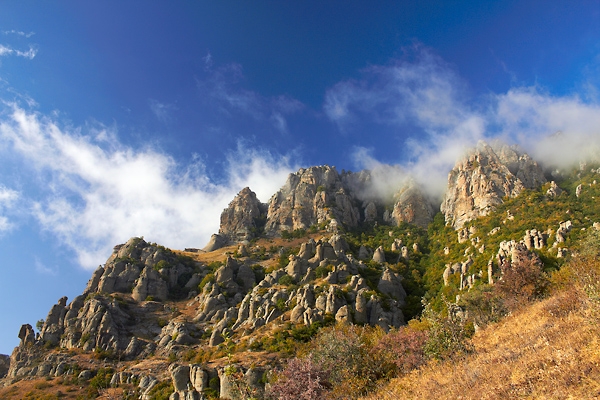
(549, 350)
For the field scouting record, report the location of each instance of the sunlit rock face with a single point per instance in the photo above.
(484, 177)
(241, 220)
(309, 197)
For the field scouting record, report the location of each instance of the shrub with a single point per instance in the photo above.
(286, 280)
(448, 335)
(522, 281)
(162, 390)
(301, 379)
(404, 349)
(209, 278)
(483, 304)
(346, 352)
(322, 271)
(102, 378)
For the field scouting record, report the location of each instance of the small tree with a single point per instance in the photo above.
(522, 281)
(39, 325)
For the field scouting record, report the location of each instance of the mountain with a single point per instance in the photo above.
(329, 252)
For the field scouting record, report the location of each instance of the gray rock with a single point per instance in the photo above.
(150, 284)
(391, 284)
(343, 314)
(370, 212)
(198, 377)
(379, 255)
(412, 206)
(216, 242)
(364, 253)
(240, 220)
(4, 365)
(180, 374)
(492, 173)
(26, 334)
(85, 375)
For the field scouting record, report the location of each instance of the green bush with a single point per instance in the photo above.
(286, 280)
(448, 332)
(162, 390)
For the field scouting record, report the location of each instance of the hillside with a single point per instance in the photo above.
(548, 350)
(340, 284)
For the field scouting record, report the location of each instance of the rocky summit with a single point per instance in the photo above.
(326, 261)
(484, 177)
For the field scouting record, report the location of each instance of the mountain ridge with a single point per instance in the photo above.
(321, 251)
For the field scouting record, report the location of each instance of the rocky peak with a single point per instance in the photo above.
(311, 196)
(483, 177)
(243, 218)
(412, 206)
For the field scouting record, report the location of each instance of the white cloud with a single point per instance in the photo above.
(532, 117)
(101, 192)
(41, 268)
(8, 51)
(425, 92)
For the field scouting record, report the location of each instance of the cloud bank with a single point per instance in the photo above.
(423, 95)
(99, 192)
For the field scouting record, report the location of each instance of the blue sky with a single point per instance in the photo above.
(130, 118)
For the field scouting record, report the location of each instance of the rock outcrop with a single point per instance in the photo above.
(487, 174)
(244, 218)
(412, 206)
(4, 365)
(320, 196)
(311, 196)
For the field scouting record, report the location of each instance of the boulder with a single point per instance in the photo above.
(379, 255)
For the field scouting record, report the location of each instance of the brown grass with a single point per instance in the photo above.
(549, 350)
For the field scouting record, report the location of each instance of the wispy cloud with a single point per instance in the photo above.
(41, 268)
(424, 91)
(19, 33)
(101, 192)
(8, 198)
(224, 86)
(9, 51)
(162, 111)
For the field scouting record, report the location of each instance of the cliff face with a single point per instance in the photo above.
(487, 174)
(320, 196)
(243, 218)
(311, 196)
(412, 206)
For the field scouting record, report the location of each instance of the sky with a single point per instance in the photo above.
(129, 118)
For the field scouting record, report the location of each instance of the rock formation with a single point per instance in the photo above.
(487, 174)
(320, 196)
(309, 197)
(244, 218)
(412, 206)
(4, 365)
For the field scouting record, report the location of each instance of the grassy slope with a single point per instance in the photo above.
(548, 350)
